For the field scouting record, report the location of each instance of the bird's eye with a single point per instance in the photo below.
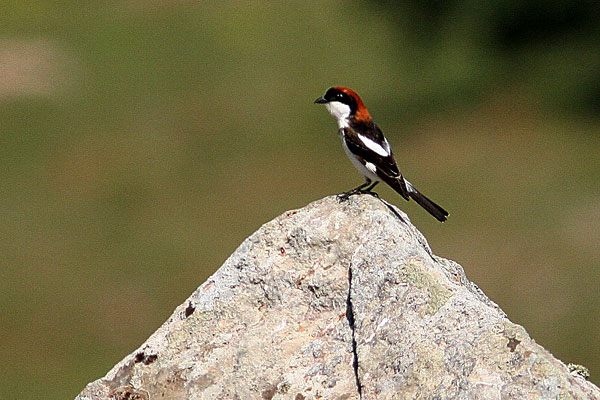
(339, 96)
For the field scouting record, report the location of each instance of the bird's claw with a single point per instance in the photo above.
(346, 195)
(342, 197)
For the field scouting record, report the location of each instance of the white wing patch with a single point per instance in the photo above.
(371, 167)
(386, 146)
(375, 147)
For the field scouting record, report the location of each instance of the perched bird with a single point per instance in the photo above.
(369, 150)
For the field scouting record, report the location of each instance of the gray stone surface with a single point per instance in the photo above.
(339, 301)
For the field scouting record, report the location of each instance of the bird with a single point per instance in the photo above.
(369, 150)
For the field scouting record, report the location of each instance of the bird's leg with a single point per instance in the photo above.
(344, 196)
(368, 190)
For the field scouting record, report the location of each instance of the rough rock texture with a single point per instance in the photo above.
(339, 301)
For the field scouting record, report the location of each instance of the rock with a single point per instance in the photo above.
(339, 301)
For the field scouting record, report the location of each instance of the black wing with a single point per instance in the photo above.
(385, 164)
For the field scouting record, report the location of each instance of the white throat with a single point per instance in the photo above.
(340, 112)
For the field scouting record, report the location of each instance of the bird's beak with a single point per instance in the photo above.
(321, 100)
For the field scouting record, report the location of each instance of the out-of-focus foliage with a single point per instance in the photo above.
(142, 141)
(462, 50)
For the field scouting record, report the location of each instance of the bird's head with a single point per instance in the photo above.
(345, 105)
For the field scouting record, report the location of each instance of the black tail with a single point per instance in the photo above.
(438, 212)
(408, 191)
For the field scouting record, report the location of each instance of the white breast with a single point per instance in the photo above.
(366, 172)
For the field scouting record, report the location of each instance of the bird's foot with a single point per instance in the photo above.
(342, 197)
(371, 193)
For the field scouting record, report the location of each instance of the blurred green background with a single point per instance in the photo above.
(143, 140)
